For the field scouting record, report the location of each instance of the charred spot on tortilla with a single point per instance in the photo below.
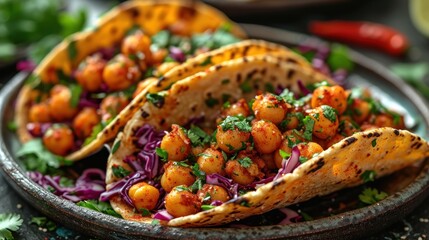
(316, 166)
(349, 141)
(290, 74)
(416, 145)
(218, 67)
(251, 73)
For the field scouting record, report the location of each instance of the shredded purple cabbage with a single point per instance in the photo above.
(146, 165)
(177, 54)
(305, 91)
(216, 203)
(38, 129)
(25, 66)
(163, 215)
(107, 53)
(228, 184)
(86, 101)
(288, 165)
(89, 185)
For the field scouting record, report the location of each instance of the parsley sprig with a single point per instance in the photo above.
(236, 122)
(9, 223)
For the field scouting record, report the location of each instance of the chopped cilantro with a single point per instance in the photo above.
(225, 157)
(313, 86)
(374, 142)
(197, 172)
(233, 122)
(329, 112)
(37, 158)
(103, 207)
(66, 182)
(12, 126)
(157, 99)
(309, 126)
(197, 185)
(44, 222)
(368, 176)
(72, 50)
(120, 172)
(116, 146)
(246, 87)
(225, 81)
(245, 162)
(226, 105)
(75, 90)
(245, 204)
(197, 136)
(145, 212)
(269, 87)
(211, 102)
(155, 222)
(206, 62)
(181, 164)
(181, 188)
(339, 58)
(207, 207)
(9, 223)
(161, 39)
(371, 196)
(161, 153)
(284, 154)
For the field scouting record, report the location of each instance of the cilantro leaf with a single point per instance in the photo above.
(157, 99)
(103, 207)
(329, 112)
(207, 207)
(284, 154)
(120, 172)
(116, 146)
(374, 142)
(44, 222)
(245, 162)
(197, 136)
(37, 158)
(371, 196)
(9, 223)
(339, 58)
(206, 62)
(76, 91)
(197, 172)
(162, 153)
(145, 212)
(414, 74)
(309, 126)
(233, 122)
(368, 176)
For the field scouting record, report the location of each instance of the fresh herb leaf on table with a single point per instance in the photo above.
(98, 206)
(414, 74)
(9, 223)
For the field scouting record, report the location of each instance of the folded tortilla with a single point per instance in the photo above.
(338, 167)
(151, 16)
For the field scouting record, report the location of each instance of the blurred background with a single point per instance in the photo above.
(29, 29)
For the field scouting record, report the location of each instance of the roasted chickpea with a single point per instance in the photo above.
(158, 56)
(211, 161)
(231, 140)
(266, 136)
(333, 96)
(144, 195)
(120, 73)
(242, 173)
(165, 67)
(90, 73)
(137, 44)
(291, 121)
(347, 126)
(209, 193)
(269, 161)
(40, 113)
(175, 175)
(325, 121)
(361, 110)
(387, 120)
(85, 121)
(60, 107)
(59, 139)
(308, 150)
(176, 144)
(268, 107)
(235, 109)
(181, 202)
(112, 105)
(143, 85)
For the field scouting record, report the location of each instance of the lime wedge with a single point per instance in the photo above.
(419, 11)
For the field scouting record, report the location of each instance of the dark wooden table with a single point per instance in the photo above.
(391, 12)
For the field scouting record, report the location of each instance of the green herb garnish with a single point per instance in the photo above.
(120, 172)
(371, 196)
(9, 223)
(368, 176)
(330, 113)
(233, 122)
(245, 162)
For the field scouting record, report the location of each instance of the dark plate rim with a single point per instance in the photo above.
(343, 226)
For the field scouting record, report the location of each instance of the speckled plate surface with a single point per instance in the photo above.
(407, 189)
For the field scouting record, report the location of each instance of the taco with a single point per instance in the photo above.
(206, 154)
(82, 86)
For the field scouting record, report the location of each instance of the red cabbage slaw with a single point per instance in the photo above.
(90, 185)
(146, 165)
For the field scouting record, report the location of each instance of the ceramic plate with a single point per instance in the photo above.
(407, 188)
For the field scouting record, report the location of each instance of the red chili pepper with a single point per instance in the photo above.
(365, 34)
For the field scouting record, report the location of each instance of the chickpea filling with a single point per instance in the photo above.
(252, 143)
(74, 109)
